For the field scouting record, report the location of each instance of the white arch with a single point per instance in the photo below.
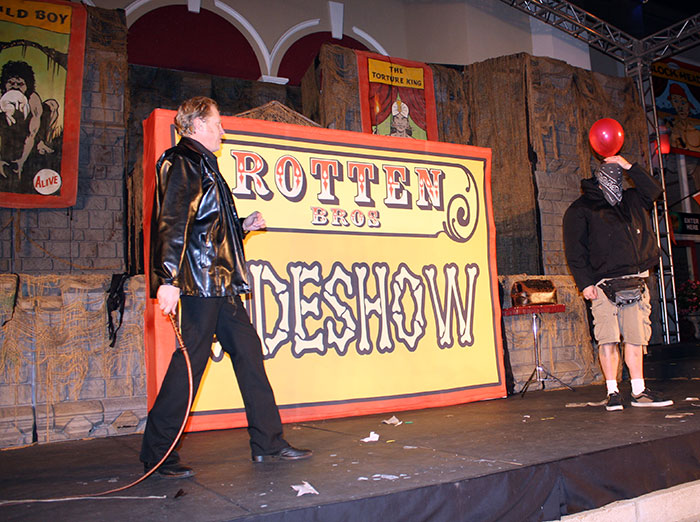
(371, 41)
(262, 48)
(275, 55)
(133, 6)
(268, 57)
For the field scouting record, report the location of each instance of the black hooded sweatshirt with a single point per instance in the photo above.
(605, 241)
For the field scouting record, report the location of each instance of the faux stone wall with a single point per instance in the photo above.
(501, 122)
(564, 102)
(60, 378)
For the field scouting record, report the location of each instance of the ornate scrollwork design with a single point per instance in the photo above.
(462, 213)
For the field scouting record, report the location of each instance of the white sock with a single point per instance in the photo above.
(612, 386)
(637, 386)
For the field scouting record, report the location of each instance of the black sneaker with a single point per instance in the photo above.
(614, 402)
(649, 399)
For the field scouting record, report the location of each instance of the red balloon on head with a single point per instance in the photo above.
(606, 137)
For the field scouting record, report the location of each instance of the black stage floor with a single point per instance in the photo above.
(536, 457)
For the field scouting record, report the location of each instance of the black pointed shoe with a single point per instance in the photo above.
(288, 453)
(172, 471)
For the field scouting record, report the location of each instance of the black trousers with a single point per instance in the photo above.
(201, 318)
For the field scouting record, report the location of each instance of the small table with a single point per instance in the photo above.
(540, 373)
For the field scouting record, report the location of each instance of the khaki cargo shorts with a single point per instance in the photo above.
(629, 324)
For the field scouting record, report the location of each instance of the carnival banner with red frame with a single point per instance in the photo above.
(374, 287)
(677, 91)
(42, 51)
(397, 97)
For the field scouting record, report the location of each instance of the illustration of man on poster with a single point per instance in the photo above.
(685, 131)
(29, 127)
(398, 111)
(400, 124)
(677, 91)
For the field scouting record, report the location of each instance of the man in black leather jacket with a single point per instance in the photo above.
(608, 236)
(197, 260)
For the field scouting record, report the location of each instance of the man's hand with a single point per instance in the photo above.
(254, 222)
(590, 292)
(619, 160)
(168, 297)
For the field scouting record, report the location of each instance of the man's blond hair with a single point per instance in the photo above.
(190, 110)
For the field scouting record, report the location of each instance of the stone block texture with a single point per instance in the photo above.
(61, 375)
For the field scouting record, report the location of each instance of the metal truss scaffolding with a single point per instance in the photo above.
(665, 274)
(637, 56)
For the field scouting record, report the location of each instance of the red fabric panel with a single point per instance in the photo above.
(221, 49)
(415, 99)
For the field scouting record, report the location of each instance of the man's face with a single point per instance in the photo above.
(401, 122)
(209, 130)
(680, 103)
(17, 84)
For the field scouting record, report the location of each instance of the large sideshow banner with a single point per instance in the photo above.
(397, 97)
(42, 48)
(677, 91)
(374, 285)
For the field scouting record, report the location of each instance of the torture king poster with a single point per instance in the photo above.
(397, 97)
(374, 286)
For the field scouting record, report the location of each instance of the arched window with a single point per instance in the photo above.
(302, 53)
(174, 38)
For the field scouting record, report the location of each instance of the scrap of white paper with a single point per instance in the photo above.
(373, 437)
(393, 420)
(678, 415)
(304, 489)
(584, 404)
(692, 399)
(598, 403)
(380, 476)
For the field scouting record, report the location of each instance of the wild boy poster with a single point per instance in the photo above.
(41, 69)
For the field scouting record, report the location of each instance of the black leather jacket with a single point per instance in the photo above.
(602, 241)
(196, 234)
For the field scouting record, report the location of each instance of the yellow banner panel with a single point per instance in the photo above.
(390, 73)
(50, 16)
